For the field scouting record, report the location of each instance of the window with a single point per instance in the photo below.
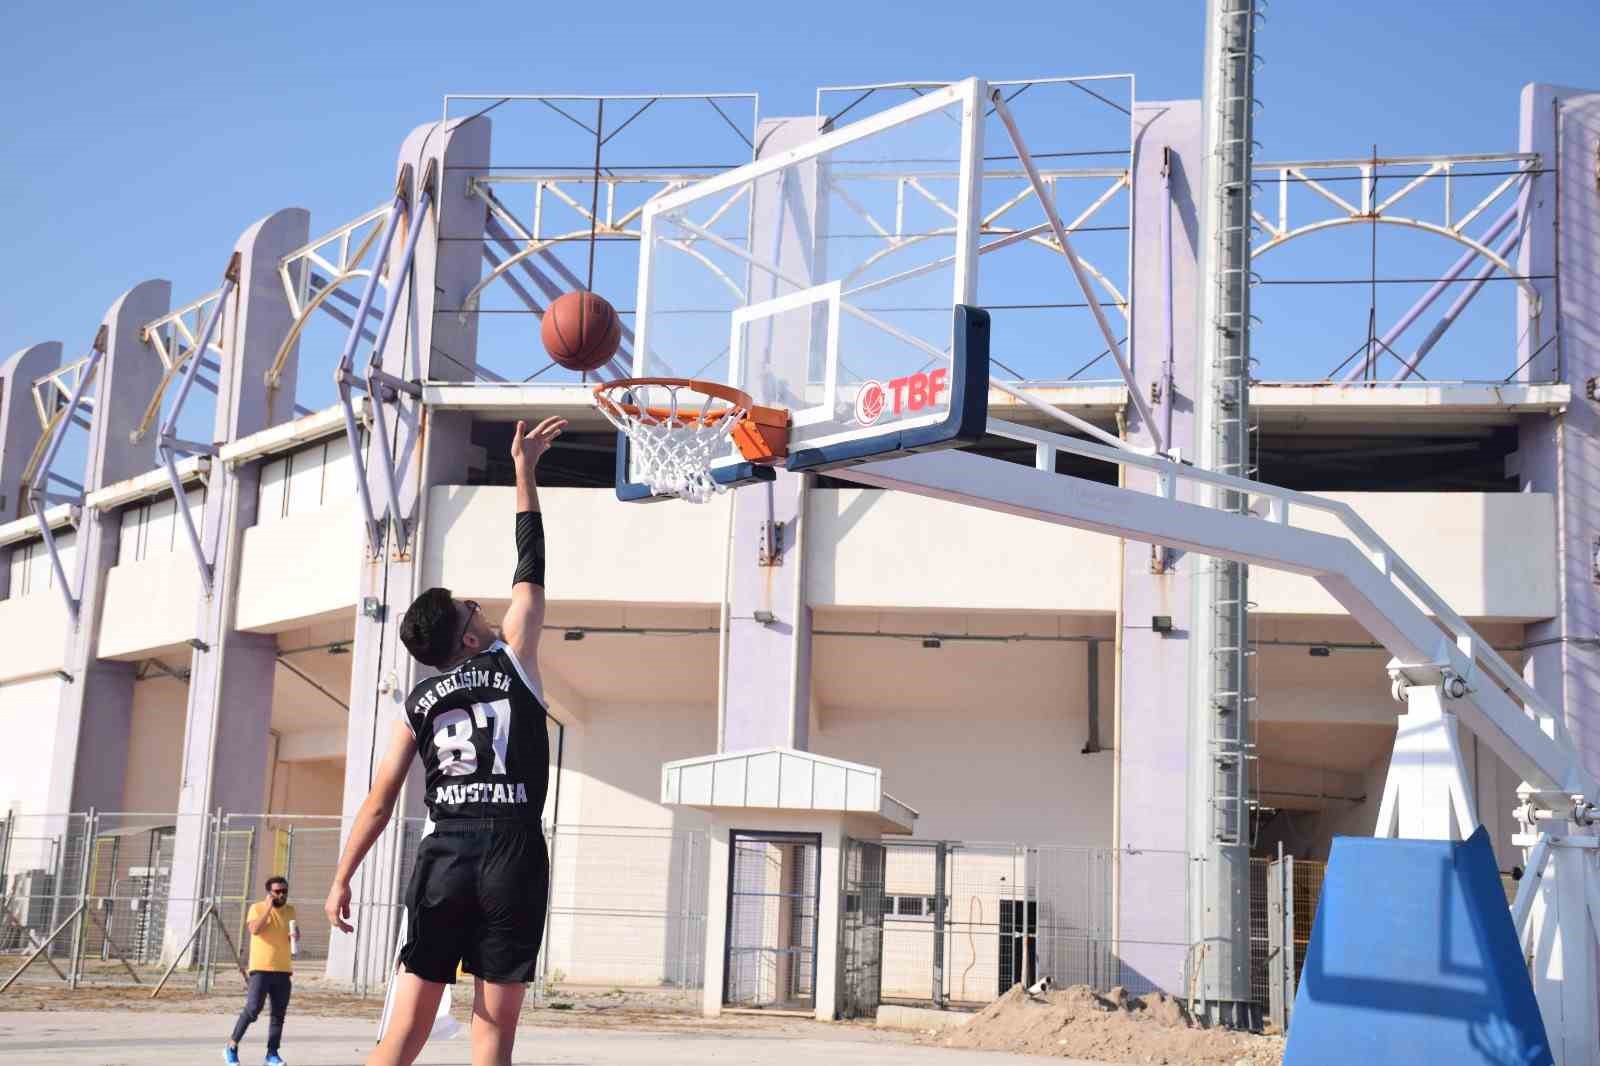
(151, 528)
(31, 573)
(305, 480)
(910, 906)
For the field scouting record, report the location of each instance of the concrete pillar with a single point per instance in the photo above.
(1560, 455)
(1152, 725)
(766, 683)
(19, 425)
(448, 263)
(231, 674)
(19, 432)
(92, 719)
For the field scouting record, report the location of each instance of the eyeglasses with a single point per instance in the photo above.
(473, 608)
(279, 891)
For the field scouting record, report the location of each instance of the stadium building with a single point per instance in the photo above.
(815, 742)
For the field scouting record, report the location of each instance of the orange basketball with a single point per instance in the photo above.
(581, 331)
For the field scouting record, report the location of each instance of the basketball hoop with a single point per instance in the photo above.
(678, 426)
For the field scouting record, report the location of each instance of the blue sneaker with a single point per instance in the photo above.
(272, 1059)
(230, 1055)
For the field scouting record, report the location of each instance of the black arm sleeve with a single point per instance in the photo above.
(530, 548)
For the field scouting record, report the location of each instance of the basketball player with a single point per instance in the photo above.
(477, 894)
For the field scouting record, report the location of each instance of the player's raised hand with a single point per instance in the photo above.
(527, 447)
(337, 908)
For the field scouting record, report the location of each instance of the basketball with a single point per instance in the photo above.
(581, 331)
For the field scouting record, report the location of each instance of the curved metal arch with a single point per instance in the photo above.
(32, 467)
(469, 302)
(274, 373)
(306, 254)
(152, 410)
(1479, 247)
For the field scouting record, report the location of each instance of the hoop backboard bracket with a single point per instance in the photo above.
(835, 280)
(964, 422)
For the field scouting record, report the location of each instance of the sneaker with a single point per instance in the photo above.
(230, 1055)
(272, 1059)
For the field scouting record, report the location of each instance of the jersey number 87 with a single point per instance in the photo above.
(454, 731)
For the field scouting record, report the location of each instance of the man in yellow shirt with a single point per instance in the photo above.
(272, 925)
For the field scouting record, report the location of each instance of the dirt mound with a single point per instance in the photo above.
(1078, 1022)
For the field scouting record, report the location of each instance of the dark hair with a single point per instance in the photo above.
(430, 630)
(275, 879)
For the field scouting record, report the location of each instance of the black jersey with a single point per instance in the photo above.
(480, 730)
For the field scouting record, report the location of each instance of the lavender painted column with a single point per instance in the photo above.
(1561, 455)
(1152, 731)
(19, 426)
(229, 709)
(447, 264)
(93, 716)
(766, 685)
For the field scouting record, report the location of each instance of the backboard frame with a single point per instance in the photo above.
(962, 421)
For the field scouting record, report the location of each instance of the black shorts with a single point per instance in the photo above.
(477, 898)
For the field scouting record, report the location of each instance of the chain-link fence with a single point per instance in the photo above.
(89, 898)
(161, 900)
(627, 908)
(963, 922)
(304, 850)
(1283, 905)
(116, 898)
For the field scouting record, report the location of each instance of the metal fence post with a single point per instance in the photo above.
(683, 905)
(78, 931)
(941, 904)
(5, 849)
(207, 938)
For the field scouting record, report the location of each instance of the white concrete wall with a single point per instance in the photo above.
(599, 548)
(27, 710)
(150, 604)
(867, 548)
(1488, 554)
(618, 751)
(301, 567)
(621, 852)
(37, 625)
(155, 745)
(988, 748)
(315, 787)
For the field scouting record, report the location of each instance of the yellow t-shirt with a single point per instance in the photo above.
(269, 949)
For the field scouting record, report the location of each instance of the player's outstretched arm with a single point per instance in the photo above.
(524, 619)
(370, 821)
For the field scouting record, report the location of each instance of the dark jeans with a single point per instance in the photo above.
(264, 985)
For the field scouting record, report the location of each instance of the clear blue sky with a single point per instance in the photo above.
(142, 138)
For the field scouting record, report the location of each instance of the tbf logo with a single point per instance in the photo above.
(910, 393)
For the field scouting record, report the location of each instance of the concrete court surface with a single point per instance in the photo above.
(109, 1038)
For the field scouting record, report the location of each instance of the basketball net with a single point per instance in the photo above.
(676, 429)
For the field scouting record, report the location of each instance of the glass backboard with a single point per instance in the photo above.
(830, 280)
